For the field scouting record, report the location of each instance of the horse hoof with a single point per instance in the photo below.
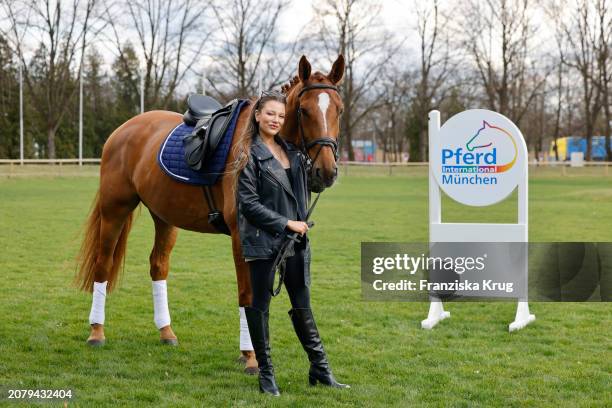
(96, 342)
(169, 342)
(251, 370)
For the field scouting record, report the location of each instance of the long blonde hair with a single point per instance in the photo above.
(242, 148)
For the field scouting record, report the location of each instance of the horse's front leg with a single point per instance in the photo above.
(165, 238)
(247, 355)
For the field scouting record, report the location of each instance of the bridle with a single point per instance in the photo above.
(287, 247)
(322, 141)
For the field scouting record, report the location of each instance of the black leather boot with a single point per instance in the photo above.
(260, 337)
(306, 330)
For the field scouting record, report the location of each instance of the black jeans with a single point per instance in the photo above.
(262, 280)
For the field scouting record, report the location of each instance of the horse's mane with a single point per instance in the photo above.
(286, 88)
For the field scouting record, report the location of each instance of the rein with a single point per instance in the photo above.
(287, 250)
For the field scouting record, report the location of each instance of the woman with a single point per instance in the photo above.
(272, 200)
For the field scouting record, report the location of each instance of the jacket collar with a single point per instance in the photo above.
(263, 153)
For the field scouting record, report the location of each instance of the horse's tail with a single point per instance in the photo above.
(90, 249)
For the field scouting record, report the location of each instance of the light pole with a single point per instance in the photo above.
(81, 116)
(21, 114)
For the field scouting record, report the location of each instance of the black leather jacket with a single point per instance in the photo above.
(266, 199)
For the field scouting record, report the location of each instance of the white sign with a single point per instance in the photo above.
(480, 157)
(577, 159)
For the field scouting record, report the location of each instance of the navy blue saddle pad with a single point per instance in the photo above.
(171, 156)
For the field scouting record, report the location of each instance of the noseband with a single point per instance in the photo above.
(323, 141)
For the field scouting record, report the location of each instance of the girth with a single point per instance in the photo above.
(215, 217)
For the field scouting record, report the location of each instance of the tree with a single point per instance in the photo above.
(169, 36)
(434, 53)
(353, 28)
(246, 49)
(558, 110)
(389, 121)
(576, 38)
(125, 80)
(62, 28)
(496, 35)
(9, 103)
(603, 79)
(98, 106)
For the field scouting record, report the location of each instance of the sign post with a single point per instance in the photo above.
(477, 158)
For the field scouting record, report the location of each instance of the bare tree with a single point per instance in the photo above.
(61, 29)
(247, 51)
(435, 57)
(496, 34)
(603, 80)
(168, 34)
(576, 37)
(353, 28)
(558, 109)
(389, 121)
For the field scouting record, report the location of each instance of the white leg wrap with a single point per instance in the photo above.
(161, 313)
(245, 337)
(96, 316)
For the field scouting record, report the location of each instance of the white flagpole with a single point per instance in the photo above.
(21, 114)
(80, 117)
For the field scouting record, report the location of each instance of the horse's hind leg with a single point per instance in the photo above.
(113, 218)
(247, 355)
(165, 238)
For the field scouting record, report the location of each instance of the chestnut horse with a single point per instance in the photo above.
(130, 174)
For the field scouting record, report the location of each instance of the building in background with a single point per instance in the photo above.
(574, 144)
(365, 151)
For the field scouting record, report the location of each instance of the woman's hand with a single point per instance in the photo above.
(297, 226)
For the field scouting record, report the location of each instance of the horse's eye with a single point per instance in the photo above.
(304, 112)
(341, 111)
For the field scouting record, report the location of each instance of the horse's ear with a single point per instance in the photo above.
(304, 69)
(337, 71)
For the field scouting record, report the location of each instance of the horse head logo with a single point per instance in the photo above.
(494, 137)
(482, 138)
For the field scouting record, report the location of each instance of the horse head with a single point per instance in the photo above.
(314, 107)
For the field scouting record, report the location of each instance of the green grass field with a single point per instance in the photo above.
(563, 359)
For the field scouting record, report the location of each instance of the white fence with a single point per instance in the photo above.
(90, 167)
(49, 168)
(421, 168)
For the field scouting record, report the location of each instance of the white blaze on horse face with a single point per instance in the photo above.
(323, 105)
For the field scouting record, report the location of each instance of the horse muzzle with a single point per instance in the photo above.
(319, 179)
